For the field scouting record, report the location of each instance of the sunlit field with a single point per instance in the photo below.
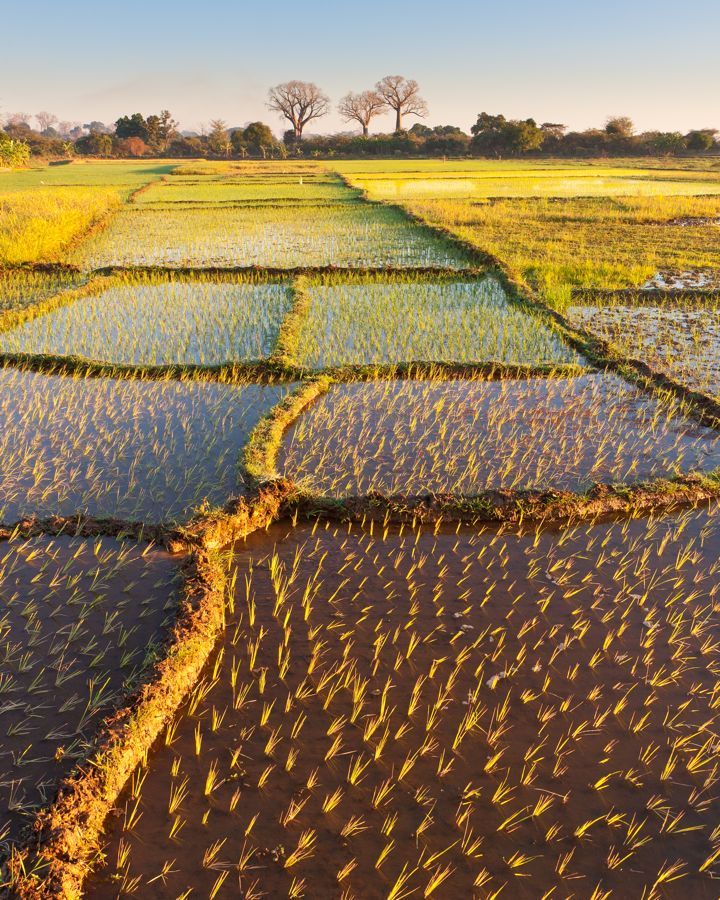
(602, 243)
(286, 237)
(38, 226)
(359, 529)
(160, 322)
(563, 184)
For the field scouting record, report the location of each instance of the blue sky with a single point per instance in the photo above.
(571, 62)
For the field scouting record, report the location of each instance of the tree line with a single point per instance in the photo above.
(299, 103)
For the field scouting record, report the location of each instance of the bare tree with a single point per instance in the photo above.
(299, 102)
(17, 118)
(66, 129)
(361, 108)
(45, 120)
(401, 94)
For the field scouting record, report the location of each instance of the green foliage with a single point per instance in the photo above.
(13, 153)
(132, 126)
(497, 136)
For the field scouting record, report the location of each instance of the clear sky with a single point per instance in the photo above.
(571, 62)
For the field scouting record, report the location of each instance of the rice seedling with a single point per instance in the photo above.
(80, 620)
(155, 321)
(464, 437)
(682, 343)
(142, 451)
(405, 319)
(536, 604)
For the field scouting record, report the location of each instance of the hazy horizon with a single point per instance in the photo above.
(560, 62)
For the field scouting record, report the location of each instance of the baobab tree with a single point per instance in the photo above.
(361, 108)
(299, 102)
(401, 94)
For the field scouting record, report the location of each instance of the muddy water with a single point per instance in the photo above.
(583, 663)
(78, 619)
(468, 436)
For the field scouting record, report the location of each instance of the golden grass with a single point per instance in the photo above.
(38, 225)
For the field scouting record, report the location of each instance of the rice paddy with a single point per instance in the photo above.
(134, 450)
(550, 184)
(681, 342)
(473, 714)
(348, 234)
(81, 620)
(160, 322)
(386, 322)
(410, 437)
(376, 710)
(299, 189)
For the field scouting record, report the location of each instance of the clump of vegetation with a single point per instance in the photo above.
(13, 153)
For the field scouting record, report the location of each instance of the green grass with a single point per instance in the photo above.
(81, 173)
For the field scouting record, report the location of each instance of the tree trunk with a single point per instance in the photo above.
(398, 119)
(365, 130)
(298, 133)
